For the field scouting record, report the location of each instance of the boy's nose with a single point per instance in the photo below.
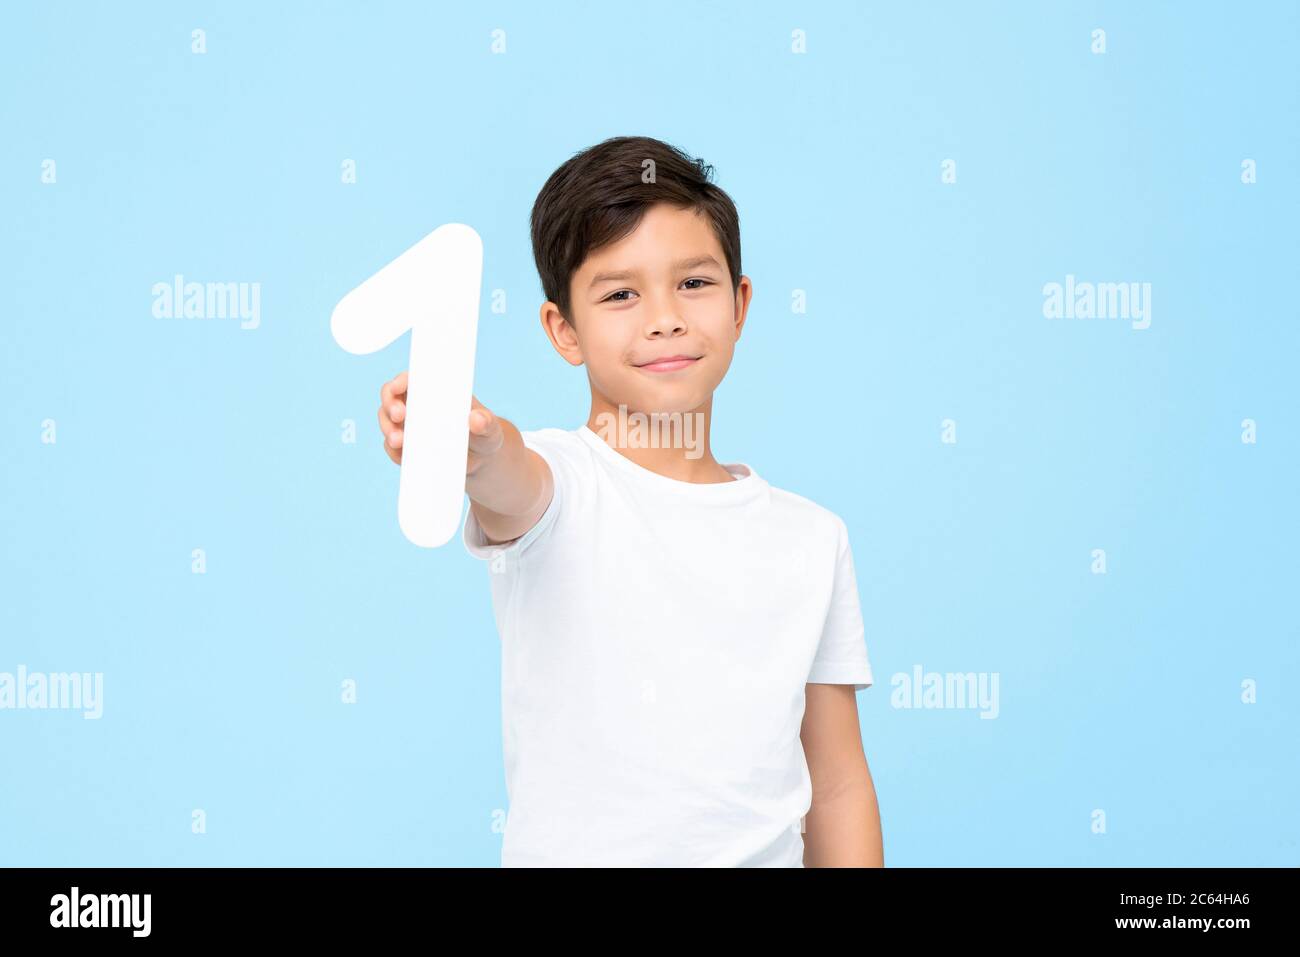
(666, 325)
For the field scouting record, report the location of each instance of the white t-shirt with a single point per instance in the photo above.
(656, 639)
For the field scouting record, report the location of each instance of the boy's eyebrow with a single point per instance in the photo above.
(692, 263)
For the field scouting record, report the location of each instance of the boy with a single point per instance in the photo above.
(681, 642)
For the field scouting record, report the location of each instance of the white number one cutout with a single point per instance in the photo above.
(432, 289)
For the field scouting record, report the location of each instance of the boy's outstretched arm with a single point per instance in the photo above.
(842, 827)
(509, 485)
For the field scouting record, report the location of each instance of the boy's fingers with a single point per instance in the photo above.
(388, 430)
(485, 434)
(481, 419)
(394, 387)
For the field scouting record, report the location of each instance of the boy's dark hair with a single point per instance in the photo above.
(599, 195)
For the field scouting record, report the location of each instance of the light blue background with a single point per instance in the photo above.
(1118, 692)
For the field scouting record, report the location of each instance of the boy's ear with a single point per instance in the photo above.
(744, 294)
(561, 333)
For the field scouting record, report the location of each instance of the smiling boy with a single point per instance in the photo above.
(681, 641)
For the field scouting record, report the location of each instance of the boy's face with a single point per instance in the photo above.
(663, 290)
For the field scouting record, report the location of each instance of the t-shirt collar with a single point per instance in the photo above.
(746, 485)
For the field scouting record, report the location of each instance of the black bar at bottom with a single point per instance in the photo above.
(922, 905)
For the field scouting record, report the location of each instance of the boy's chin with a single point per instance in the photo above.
(660, 404)
(670, 400)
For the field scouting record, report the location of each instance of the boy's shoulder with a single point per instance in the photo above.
(808, 510)
(552, 434)
(552, 439)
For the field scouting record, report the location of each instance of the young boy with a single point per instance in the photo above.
(681, 642)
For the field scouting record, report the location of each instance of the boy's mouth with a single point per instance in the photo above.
(668, 363)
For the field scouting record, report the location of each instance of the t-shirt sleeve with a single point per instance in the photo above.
(544, 444)
(842, 652)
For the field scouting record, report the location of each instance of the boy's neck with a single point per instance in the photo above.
(683, 451)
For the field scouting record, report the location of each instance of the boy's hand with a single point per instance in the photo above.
(392, 412)
(485, 433)
(509, 485)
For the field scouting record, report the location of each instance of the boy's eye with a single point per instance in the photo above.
(612, 295)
